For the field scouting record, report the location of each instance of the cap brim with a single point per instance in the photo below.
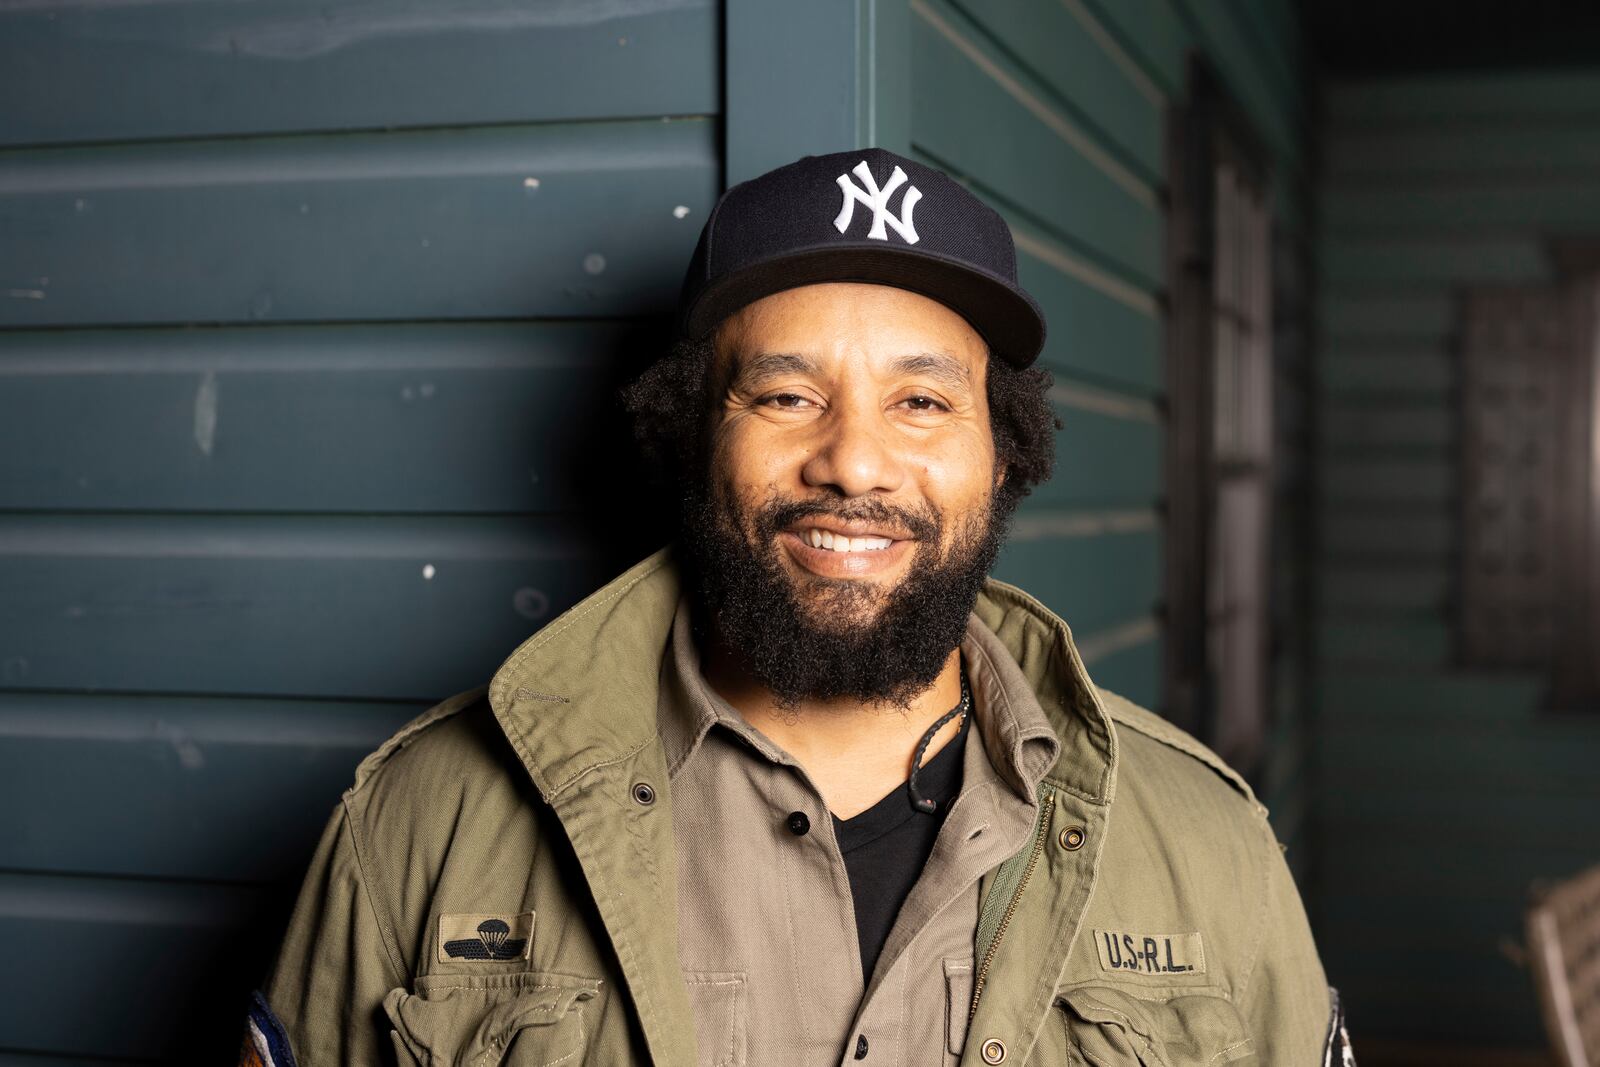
(1004, 314)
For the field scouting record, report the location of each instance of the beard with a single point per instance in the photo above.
(806, 637)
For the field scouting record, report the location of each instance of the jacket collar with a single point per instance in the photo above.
(583, 692)
(1017, 735)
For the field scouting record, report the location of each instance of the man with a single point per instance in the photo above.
(808, 789)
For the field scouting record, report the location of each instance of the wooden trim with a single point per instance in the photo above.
(1210, 135)
(812, 78)
(1188, 359)
(1575, 682)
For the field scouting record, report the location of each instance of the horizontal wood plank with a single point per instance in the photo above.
(1455, 811)
(1371, 588)
(1153, 33)
(165, 787)
(1374, 264)
(1426, 535)
(1429, 424)
(128, 947)
(1411, 644)
(1428, 833)
(98, 72)
(1390, 316)
(1430, 482)
(1454, 697)
(1355, 857)
(1092, 582)
(1441, 207)
(967, 121)
(1517, 758)
(1462, 97)
(1515, 147)
(1062, 53)
(32, 1059)
(1409, 374)
(585, 220)
(1091, 333)
(338, 607)
(399, 418)
(1104, 461)
(1410, 1024)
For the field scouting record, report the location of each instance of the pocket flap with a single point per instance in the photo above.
(958, 1002)
(461, 1020)
(1111, 1026)
(717, 1003)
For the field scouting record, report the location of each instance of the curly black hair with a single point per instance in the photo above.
(670, 405)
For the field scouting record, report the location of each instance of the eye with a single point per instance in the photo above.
(788, 401)
(921, 402)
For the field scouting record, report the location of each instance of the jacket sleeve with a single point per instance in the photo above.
(337, 961)
(1285, 1000)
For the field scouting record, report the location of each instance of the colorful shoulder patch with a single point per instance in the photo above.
(1336, 1050)
(266, 1043)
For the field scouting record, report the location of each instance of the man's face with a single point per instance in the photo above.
(848, 512)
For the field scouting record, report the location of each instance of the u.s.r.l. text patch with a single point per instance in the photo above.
(1127, 952)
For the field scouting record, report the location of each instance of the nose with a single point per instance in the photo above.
(855, 455)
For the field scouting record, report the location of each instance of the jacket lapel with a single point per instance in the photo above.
(578, 703)
(1043, 917)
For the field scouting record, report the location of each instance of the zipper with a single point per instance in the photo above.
(992, 924)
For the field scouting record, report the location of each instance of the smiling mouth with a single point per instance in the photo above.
(837, 542)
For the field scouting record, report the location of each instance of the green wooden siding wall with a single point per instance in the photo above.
(311, 316)
(1443, 793)
(1055, 112)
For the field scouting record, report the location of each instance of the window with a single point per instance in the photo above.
(1530, 462)
(1220, 451)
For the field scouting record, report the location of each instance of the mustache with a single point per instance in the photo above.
(780, 515)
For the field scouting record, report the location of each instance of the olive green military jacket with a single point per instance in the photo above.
(499, 885)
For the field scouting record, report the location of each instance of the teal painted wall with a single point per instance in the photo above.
(1055, 112)
(310, 320)
(1443, 793)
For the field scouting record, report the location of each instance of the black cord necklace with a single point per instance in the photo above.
(928, 805)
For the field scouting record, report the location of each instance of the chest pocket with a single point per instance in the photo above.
(1107, 1027)
(717, 1001)
(519, 1020)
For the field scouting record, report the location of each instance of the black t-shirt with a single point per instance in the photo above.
(886, 846)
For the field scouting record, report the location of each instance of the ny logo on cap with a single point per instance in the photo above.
(878, 201)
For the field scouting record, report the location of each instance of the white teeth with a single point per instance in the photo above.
(840, 543)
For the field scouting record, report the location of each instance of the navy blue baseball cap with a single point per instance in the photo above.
(863, 216)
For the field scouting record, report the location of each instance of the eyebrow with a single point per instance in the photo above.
(940, 366)
(774, 364)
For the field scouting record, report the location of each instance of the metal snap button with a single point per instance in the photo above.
(644, 793)
(994, 1051)
(1072, 838)
(798, 823)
